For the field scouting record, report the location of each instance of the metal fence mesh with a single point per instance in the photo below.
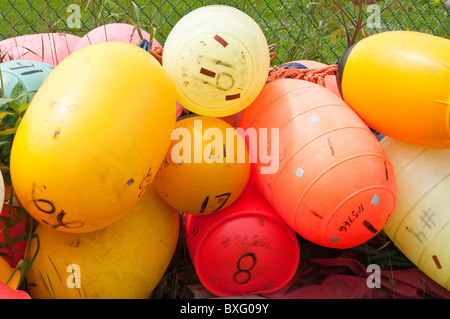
(300, 29)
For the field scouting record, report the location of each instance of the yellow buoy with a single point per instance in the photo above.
(420, 224)
(93, 137)
(218, 59)
(206, 168)
(7, 274)
(124, 260)
(399, 84)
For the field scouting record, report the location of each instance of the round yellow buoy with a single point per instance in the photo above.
(218, 59)
(399, 84)
(420, 223)
(124, 260)
(93, 137)
(206, 168)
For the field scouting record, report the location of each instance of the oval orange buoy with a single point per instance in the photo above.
(399, 84)
(334, 185)
(244, 249)
(50, 48)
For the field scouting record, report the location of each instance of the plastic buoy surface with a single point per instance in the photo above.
(121, 32)
(399, 84)
(7, 274)
(93, 137)
(50, 48)
(125, 260)
(420, 224)
(206, 167)
(244, 249)
(218, 59)
(27, 75)
(333, 182)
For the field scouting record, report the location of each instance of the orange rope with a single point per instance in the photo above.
(312, 75)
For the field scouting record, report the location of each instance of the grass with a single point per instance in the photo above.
(302, 29)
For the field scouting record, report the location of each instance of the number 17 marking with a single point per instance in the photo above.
(222, 199)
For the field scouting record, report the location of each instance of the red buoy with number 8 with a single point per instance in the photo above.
(244, 249)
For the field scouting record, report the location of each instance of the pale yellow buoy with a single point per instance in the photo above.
(420, 223)
(218, 58)
(124, 260)
(93, 137)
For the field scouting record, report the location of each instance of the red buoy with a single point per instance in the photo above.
(245, 248)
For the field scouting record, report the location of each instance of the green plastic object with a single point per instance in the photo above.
(25, 73)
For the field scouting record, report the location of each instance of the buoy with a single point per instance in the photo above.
(244, 249)
(93, 137)
(206, 167)
(7, 274)
(8, 293)
(125, 260)
(218, 58)
(26, 75)
(121, 32)
(50, 48)
(420, 224)
(332, 181)
(399, 84)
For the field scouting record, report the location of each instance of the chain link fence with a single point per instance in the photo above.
(318, 30)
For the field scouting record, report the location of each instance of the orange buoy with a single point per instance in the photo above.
(205, 168)
(334, 183)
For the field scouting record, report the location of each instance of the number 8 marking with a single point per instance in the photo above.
(246, 271)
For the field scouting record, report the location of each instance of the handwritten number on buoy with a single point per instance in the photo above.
(145, 183)
(25, 65)
(194, 230)
(51, 209)
(243, 275)
(351, 218)
(221, 199)
(204, 204)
